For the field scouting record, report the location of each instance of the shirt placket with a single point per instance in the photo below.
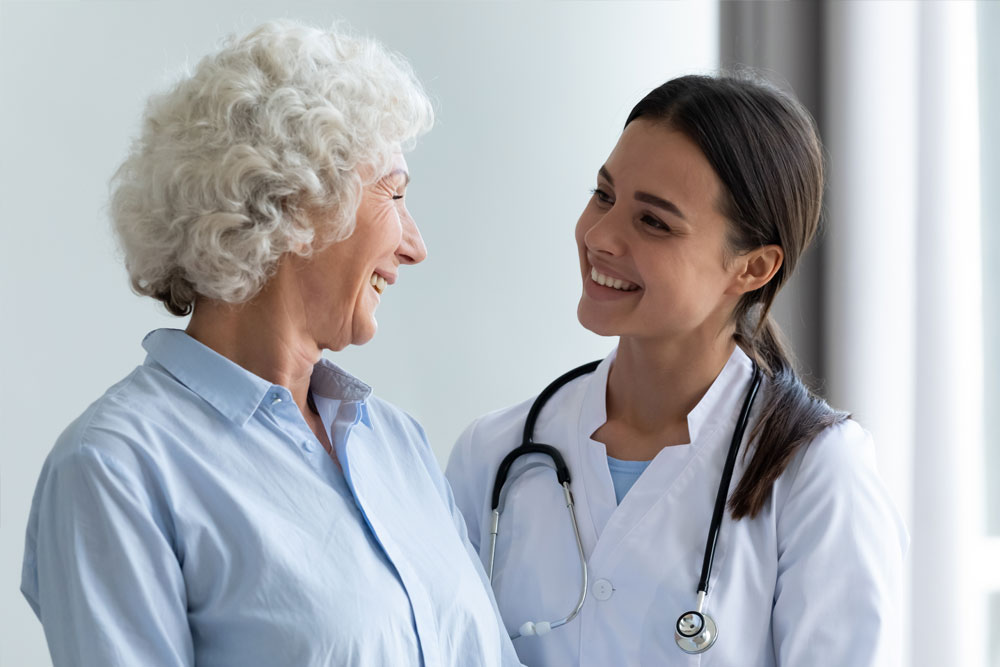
(364, 486)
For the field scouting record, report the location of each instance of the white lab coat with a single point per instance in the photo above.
(813, 581)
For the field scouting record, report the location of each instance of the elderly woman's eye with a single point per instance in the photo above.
(397, 196)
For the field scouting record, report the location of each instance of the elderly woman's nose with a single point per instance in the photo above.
(411, 247)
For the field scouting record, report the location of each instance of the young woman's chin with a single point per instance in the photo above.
(595, 323)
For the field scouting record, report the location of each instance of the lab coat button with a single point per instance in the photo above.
(603, 589)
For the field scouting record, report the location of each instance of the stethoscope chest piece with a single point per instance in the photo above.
(695, 632)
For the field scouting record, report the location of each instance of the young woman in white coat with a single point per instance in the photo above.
(698, 217)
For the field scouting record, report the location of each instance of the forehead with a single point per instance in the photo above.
(655, 158)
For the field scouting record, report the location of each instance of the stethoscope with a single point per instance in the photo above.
(695, 631)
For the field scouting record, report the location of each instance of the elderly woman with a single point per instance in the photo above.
(237, 499)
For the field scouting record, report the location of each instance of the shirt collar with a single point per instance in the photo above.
(332, 382)
(230, 388)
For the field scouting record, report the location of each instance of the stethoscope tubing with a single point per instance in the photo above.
(722, 495)
(529, 446)
(528, 435)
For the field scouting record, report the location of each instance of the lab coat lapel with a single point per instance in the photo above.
(667, 481)
(591, 456)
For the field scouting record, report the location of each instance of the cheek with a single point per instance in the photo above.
(386, 234)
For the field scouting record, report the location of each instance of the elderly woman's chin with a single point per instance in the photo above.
(347, 321)
(364, 326)
(337, 333)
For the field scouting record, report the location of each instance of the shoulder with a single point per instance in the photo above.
(111, 427)
(479, 450)
(841, 454)
(487, 439)
(497, 425)
(127, 440)
(834, 480)
(131, 437)
(100, 459)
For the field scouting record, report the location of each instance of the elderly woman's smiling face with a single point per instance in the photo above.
(343, 284)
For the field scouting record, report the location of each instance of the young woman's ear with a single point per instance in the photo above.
(755, 268)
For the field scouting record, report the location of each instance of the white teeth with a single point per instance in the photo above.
(614, 283)
(378, 282)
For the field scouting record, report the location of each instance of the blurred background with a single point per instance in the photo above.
(889, 313)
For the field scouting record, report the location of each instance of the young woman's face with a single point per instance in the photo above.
(652, 241)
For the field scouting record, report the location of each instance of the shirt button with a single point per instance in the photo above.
(308, 445)
(275, 399)
(602, 589)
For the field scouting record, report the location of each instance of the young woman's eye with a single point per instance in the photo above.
(655, 223)
(601, 195)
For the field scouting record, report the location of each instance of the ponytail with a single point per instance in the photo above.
(791, 416)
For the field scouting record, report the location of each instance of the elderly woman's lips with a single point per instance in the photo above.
(378, 282)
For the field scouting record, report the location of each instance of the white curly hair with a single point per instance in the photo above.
(284, 120)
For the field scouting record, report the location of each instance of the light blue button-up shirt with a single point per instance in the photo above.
(190, 516)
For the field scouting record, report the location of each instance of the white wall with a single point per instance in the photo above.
(530, 99)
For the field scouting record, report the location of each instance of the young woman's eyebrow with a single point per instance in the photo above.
(659, 202)
(646, 197)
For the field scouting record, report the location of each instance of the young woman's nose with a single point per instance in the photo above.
(604, 236)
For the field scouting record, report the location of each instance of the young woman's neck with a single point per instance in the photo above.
(654, 384)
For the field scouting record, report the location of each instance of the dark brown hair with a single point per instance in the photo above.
(764, 147)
